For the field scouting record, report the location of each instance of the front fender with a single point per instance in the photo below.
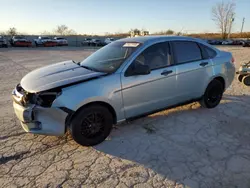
(106, 89)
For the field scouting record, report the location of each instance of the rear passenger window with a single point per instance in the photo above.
(207, 52)
(186, 51)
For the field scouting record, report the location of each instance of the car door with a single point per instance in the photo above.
(156, 90)
(192, 70)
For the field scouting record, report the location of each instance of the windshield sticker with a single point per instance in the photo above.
(131, 44)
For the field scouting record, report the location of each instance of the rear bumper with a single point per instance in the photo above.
(230, 76)
(39, 120)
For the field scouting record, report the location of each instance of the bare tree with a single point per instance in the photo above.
(46, 33)
(167, 32)
(71, 32)
(64, 30)
(12, 31)
(222, 15)
(2, 33)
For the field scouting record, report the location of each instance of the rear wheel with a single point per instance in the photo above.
(91, 125)
(212, 95)
(246, 80)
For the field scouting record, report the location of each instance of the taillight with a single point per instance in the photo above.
(232, 60)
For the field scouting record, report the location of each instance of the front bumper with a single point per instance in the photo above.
(40, 120)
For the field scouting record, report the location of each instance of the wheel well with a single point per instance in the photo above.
(221, 80)
(108, 106)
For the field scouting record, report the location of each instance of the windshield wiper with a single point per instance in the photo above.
(89, 68)
(78, 63)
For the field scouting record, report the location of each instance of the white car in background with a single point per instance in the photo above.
(108, 40)
(61, 41)
(227, 42)
(45, 41)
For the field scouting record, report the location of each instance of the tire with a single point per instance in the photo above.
(212, 95)
(246, 80)
(240, 77)
(96, 116)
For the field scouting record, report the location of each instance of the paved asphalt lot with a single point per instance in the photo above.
(186, 146)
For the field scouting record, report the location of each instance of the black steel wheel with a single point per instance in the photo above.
(212, 95)
(246, 80)
(240, 77)
(91, 125)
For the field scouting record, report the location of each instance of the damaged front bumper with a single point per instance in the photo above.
(39, 120)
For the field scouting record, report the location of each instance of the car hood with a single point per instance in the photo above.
(56, 75)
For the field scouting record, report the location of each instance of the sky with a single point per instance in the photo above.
(102, 16)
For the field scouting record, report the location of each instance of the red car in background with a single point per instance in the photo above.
(20, 41)
(45, 41)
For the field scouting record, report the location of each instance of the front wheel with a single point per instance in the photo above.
(91, 125)
(212, 95)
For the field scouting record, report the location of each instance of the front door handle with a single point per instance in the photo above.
(166, 72)
(203, 64)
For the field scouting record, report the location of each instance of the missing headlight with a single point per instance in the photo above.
(46, 99)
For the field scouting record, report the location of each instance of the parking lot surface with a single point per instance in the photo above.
(187, 146)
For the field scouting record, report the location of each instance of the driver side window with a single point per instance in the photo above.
(156, 56)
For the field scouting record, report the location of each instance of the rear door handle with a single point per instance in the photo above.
(166, 72)
(203, 64)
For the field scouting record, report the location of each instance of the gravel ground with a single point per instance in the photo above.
(187, 146)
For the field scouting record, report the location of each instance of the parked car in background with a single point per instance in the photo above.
(227, 42)
(246, 43)
(214, 42)
(108, 40)
(3, 42)
(97, 42)
(126, 79)
(237, 42)
(86, 42)
(20, 41)
(61, 41)
(45, 41)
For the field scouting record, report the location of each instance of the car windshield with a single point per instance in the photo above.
(109, 58)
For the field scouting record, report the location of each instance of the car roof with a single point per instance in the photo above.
(153, 38)
(162, 38)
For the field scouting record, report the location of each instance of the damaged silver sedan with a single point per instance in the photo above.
(123, 80)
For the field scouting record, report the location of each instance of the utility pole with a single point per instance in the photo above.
(230, 26)
(243, 21)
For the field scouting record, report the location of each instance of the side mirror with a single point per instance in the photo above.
(140, 69)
